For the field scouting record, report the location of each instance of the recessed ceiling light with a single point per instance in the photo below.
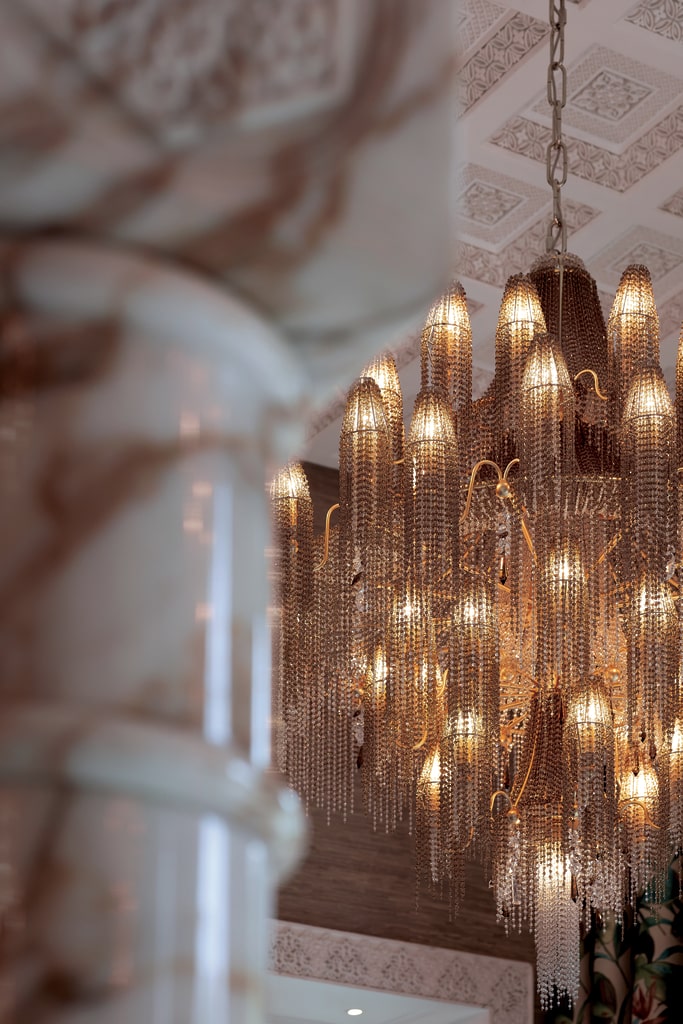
(354, 1013)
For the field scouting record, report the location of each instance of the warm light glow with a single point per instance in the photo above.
(648, 396)
(677, 739)
(429, 784)
(634, 295)
(641, 786)
(492, 643)
(564, 566)
(592, 709)
(465, 724)
(290, 482)
(383, 371)
(432, 420)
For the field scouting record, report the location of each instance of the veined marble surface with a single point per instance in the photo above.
(212, 213)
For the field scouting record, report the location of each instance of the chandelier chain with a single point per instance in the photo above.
(556, 152)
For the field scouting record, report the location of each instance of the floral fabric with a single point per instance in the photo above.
(633, 974)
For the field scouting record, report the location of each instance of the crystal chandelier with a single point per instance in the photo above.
(488, 627)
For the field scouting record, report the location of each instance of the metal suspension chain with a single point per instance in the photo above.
(556, 153)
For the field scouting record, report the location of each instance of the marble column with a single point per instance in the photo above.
(142, 832)
(294, 154)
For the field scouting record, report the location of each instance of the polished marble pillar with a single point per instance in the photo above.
(211, 216)
(143, 833)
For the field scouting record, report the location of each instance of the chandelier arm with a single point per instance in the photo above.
(514, 804)
(607, 551)
(510, 465)
(326, 550)
(643, 807)
(473, 477)
(596, 382)
(521, 516)
(494, 796)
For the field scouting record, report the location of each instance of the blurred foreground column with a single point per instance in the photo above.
(143, 406)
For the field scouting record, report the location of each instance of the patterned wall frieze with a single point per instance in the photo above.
(674, 204)
(593, 163)
(495, 267)
(510, 44)
(504, 987)
(663, 17)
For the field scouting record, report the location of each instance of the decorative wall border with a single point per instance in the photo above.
(504, 987)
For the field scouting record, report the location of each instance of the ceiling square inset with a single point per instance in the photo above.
(659, 261)
(613, 99)
(487, 204)
(661, 254)
(494, 208)
(610, 95)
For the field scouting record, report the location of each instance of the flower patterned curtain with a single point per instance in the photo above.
(633, 974)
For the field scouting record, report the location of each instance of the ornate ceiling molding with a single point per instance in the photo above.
(504, 987)
(663, 17)
(510, 44)
(494, 268)
(617, 171)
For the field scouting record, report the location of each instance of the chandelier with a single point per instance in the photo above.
(488, 628)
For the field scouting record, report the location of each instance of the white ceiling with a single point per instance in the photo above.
(300, 1001)
(624, 197)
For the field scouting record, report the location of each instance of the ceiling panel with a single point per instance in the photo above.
(623, 124)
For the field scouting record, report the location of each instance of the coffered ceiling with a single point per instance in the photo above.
(623, 123)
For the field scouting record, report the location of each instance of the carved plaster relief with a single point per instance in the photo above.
(595, 163)
(185, 67)
(664, 17)
(611, 97)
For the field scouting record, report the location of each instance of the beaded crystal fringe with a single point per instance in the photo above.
(496, 646)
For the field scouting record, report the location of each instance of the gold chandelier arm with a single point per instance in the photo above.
(473, 478)
(503, 490)
(527, 535)
(596, 383)
(607, 551)
(499, 792)
(515, 804)
(639, 803)
(326, 550)
(521, 516)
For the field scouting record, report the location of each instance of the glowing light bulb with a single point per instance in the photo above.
(641, 786)
(591, 709)
(677, 739)
(430, 780)
(354, 1012)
